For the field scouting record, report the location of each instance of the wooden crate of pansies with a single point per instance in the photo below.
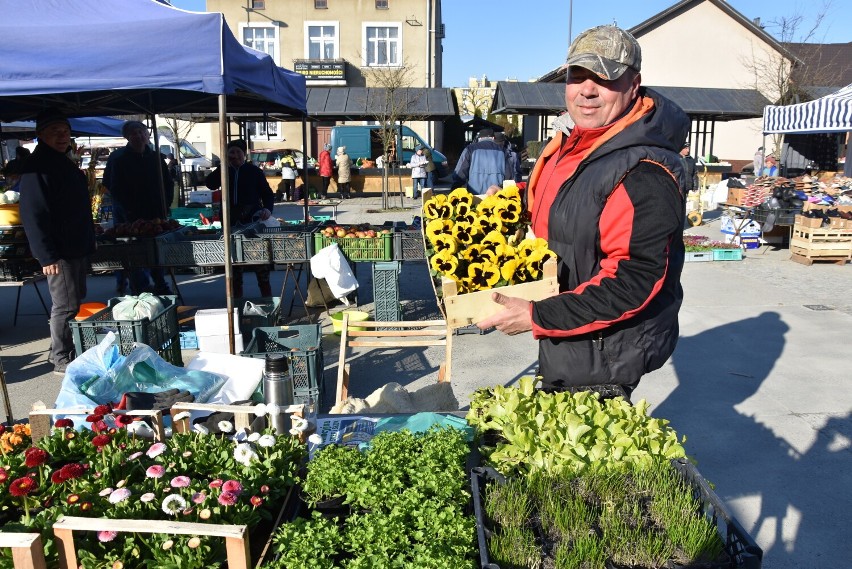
(577, 481)
(476, 244)
(133, 501)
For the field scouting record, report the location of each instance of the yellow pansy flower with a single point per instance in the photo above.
(460, 196)
(488, 224)
(445, 242)
(504, 252)
(509, 211)
(438, 207)
(510, 193)
(465, 233)
(463, 209)
(483, 275)
(526, 246)
(444, 262)
(508, 268)
(494, 238)
(478, 254)
(438, 227)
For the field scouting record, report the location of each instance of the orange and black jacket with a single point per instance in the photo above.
(616, 225)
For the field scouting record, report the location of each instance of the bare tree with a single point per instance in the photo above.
(476, 101)
(783, 77)
(397, 103)
(177, 130)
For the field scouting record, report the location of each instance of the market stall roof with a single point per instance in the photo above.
(125, 70)
(358, 103)
(81, 126)
(514, 97)
(832, 113)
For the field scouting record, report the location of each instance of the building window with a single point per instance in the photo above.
(262, 38)
(382, 45)
(321, 4)
(258, 4)
(381, 4)
(321, 40)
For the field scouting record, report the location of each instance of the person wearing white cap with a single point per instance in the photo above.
(608, 198)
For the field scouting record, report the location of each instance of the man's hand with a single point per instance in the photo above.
(51, 269)
(265, 214)
(492, 189)
(515, 319)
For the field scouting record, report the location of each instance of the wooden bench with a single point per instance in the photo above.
(391, 335)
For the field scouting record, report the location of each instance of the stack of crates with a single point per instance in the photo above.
(160, 333)
(302, 344)
(386, 291)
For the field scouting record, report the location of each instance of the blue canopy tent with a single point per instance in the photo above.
(80, 126)
(129, 69)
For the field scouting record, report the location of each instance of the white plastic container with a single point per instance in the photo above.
(211, 328)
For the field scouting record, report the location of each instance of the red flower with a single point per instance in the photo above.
(2, 428)
(123, 420)
(72, 470)
(94, 418)
(101, 441)
(105, 409)
(228, 498)
(48, 502)
(63, 423)
(35, 456)
(4, 476)
(256, 501)
(70, 435)
(86, 506)
(264, 489)
(99, 426)
(73, 498)
(232, 486)
(23, 486)
(56, 477)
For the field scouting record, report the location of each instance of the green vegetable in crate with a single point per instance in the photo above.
(568, 432)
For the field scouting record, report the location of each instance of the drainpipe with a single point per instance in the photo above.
(429, 30)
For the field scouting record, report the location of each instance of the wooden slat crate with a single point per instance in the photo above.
(809, 244)
(41, 419)
(27, 549)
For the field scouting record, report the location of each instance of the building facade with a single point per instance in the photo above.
(340, 44)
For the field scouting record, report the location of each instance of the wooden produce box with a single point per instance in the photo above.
(466, 309)
(810, 244)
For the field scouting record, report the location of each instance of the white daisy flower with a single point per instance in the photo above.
(266, 441)
(173, 504)
(181, 416)
(254, 437)
(199, 428)
(225, 426)
(244, 454)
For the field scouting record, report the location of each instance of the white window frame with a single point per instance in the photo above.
(364, 51)
(273, 126)
(333, 23)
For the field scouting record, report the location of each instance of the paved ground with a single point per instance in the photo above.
(759, 384)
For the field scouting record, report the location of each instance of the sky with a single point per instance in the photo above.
(524, 39)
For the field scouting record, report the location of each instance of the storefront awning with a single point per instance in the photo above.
(699, 103)
(360, 103)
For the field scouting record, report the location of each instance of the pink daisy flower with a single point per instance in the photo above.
(180, 482)
(228, 498)
(155, 471)
(156, 450)
(107, 535)
(232, 486)
(119, 495)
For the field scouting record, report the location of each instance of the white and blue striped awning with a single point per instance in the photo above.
(832, 113)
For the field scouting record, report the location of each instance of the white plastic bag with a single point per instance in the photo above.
(146, 305)
(330, 264)
(252, 309)
(270, 222)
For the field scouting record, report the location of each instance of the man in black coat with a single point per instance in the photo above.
(57, 215)
(689, 168)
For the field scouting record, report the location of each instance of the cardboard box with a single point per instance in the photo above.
(211, 328)
(201, 196)
(742, 227)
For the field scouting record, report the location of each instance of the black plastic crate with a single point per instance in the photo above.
(408, 245)
(12, 234)
(160, 333)
(15, 251)
(12, 270)
(783, 215)
(743, 551)
(302, 344)
(290, 243)
(125, 253)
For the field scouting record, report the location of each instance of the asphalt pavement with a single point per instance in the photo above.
(760, 383)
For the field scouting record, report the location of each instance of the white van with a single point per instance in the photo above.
(190, 157)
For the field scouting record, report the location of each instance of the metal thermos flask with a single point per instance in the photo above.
(278, 389)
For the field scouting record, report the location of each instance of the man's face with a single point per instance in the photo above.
(137, 138)
(56, 135)
(594, 102)
(236, 157)
(684, 151)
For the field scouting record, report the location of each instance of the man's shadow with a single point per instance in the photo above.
(718, 371)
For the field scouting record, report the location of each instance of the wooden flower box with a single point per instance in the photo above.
(27, 549)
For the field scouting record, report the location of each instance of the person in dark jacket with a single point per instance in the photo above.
(511, 155)
(251, 199)
(57, 216)
(141, 188)
(608, 198)
(689, 168)
(482, 164)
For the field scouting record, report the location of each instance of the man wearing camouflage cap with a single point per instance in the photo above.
(608, 199)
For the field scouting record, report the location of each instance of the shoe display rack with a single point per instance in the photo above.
(810, 244)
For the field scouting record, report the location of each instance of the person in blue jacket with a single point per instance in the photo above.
(482, 164)
(57, 216)
(770, 167)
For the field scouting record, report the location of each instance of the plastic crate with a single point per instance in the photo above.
(783, 215)
(386, 291)
(12, 270)
(188, 340)
(743, 551)
(188, 249)
(728, 254)
(408, 245)
(290, 243)
(303, 346)
(125, 253)
(698, 256)
(15, 251)
(378, 248)
(248, 322)
(161, 332)
(12, 234)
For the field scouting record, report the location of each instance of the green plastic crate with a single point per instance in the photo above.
(302, 344)
(160, 333)
(728, 254)
(248, 322)
(359, 248)
(290, 243)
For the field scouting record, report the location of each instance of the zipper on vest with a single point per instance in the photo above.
(597, 340)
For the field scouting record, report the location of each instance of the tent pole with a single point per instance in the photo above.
(167, 206)
(226, 218)
(306, 191)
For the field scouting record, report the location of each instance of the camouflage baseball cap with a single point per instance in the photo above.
(607, 51)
